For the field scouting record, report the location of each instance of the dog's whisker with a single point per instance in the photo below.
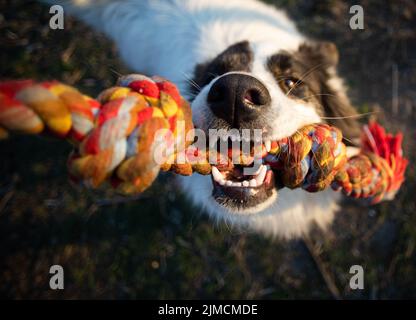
(353, 116)
(196, 85)
(116, 72)
(192, 82)
(350, 141)
(193, 85)
(319, 95)
(213, 74)
(282, 78)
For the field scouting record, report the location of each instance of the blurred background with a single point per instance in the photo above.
(158, 245)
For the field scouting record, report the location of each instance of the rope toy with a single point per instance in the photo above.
(112, 135)
(114, 140)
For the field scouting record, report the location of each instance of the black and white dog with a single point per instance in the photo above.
(243, 64)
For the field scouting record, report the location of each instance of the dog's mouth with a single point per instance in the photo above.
(242, 191)
(244, 185)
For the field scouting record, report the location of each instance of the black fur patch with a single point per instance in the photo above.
(238, 57)
(308, 69)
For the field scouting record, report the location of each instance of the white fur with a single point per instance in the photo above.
(170, 37)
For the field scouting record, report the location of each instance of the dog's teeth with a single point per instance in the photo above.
(217, 174)
(255, 182)
(268, 145)
(261, 175)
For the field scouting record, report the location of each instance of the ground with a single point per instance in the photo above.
(157, 245)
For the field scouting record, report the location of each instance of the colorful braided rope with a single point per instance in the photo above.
(114, 140)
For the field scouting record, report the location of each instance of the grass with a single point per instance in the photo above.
(159, 246)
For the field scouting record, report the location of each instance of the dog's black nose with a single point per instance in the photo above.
(239, 99)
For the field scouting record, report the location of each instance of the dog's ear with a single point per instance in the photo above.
(328, 52)
(324, 53)
(338, 110)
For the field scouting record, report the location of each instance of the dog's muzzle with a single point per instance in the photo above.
(239, 99)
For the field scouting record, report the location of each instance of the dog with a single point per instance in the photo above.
(243, 65)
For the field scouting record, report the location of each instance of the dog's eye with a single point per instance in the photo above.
(291, 83)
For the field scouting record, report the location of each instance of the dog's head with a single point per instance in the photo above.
(278, 94)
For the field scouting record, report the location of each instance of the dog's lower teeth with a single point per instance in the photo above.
(260, 177)
(268, 145)
(217, 174)
(255, 182)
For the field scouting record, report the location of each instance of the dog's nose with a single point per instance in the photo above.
(239, 99)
